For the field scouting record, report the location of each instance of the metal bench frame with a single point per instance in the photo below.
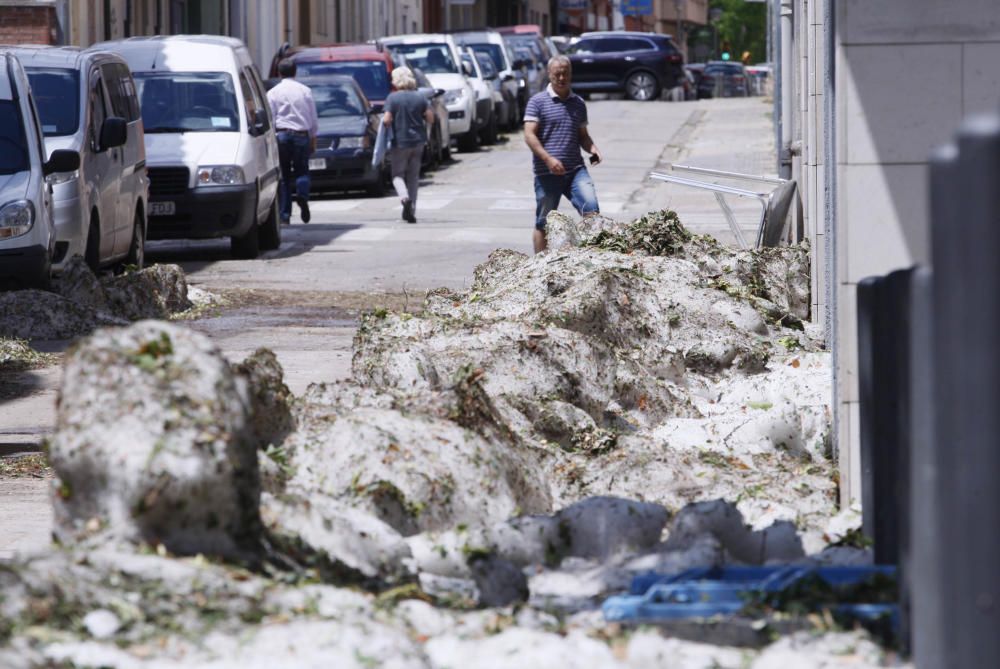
(774, 203)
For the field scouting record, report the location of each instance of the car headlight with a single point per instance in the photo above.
(454, 96)
(354, 142)
(16, 218)
(220, 175)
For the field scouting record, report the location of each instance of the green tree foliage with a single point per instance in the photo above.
(743, 26)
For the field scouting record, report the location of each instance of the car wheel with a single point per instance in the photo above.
(488, 135)
(136, 257)
(270, 231)
(92, 252)
(642, 86)
(377, 189)
(469, 141)
(246, 246)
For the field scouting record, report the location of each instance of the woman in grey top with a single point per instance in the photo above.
(407, 111)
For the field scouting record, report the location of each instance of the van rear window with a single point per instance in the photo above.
(14, 156)
(57, 92)
(187, 101)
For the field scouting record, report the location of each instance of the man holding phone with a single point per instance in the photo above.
(555, 129)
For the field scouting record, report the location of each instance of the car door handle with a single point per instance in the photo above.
(587, 60)
(630, 58)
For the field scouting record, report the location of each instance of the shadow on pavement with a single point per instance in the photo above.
(194, 255)
(17, 384)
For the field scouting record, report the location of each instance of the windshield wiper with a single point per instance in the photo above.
(168, 128)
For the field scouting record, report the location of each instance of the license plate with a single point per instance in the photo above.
(162, 209)
(317, 164)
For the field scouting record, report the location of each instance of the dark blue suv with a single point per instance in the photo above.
(640, 64)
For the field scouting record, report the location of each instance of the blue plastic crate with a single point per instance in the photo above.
(721, 591)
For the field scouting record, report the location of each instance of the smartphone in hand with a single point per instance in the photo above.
(594, 159)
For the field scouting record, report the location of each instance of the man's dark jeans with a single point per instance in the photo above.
(293, 154)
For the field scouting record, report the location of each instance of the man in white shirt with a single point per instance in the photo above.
(296, 123)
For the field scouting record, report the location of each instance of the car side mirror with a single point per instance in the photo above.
(376, 108)
(468, 70)
(260, 124)
(114, 132)
(438, 92)
(507, 77)
(62, 160)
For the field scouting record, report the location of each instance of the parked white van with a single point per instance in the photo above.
(211, 151)
(437, 56)
(87, 103)
(27, 230)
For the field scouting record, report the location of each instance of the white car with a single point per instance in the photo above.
(488, 98)
(491, 43)
(27, 230)
(438, 58)
(210, 141)
(87, 103)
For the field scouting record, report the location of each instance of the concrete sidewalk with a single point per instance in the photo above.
(728, 134)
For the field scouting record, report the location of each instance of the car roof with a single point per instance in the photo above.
(520, 29)
(418, 38)
(475, 36)
(342, 51)
(625, 33)
(157, 49)
(61, 56)
(215, 40)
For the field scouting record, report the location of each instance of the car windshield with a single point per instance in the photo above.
(55, 90)
(13, 141)
(336, 99)
(494, 51)
(371, 75)
(431, 58)
(187, 101)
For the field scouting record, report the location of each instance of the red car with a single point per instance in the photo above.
(369, 64)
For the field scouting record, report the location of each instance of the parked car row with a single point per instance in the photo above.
(726, 79)
(136, 139)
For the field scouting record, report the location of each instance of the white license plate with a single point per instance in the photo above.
(162, 209)
(317, 163)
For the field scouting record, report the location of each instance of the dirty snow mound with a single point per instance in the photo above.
(154, 443)
(83, 302)
(611, 359)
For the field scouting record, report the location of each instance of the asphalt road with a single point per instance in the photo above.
(481, 201)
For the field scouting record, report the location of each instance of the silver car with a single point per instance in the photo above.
(87, 103)
(491, 44)
(27, 231)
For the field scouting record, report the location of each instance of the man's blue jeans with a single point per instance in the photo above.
(293, 155)
(576, 186)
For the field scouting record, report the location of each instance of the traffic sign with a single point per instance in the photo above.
(637, 7)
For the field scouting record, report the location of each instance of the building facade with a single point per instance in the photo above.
(264, 25)
(869, 90)
(29, 23)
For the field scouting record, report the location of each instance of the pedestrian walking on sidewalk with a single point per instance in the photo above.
(407, 112)
(555, 129)
(296, 123)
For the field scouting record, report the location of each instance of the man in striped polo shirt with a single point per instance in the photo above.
(555, 129)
